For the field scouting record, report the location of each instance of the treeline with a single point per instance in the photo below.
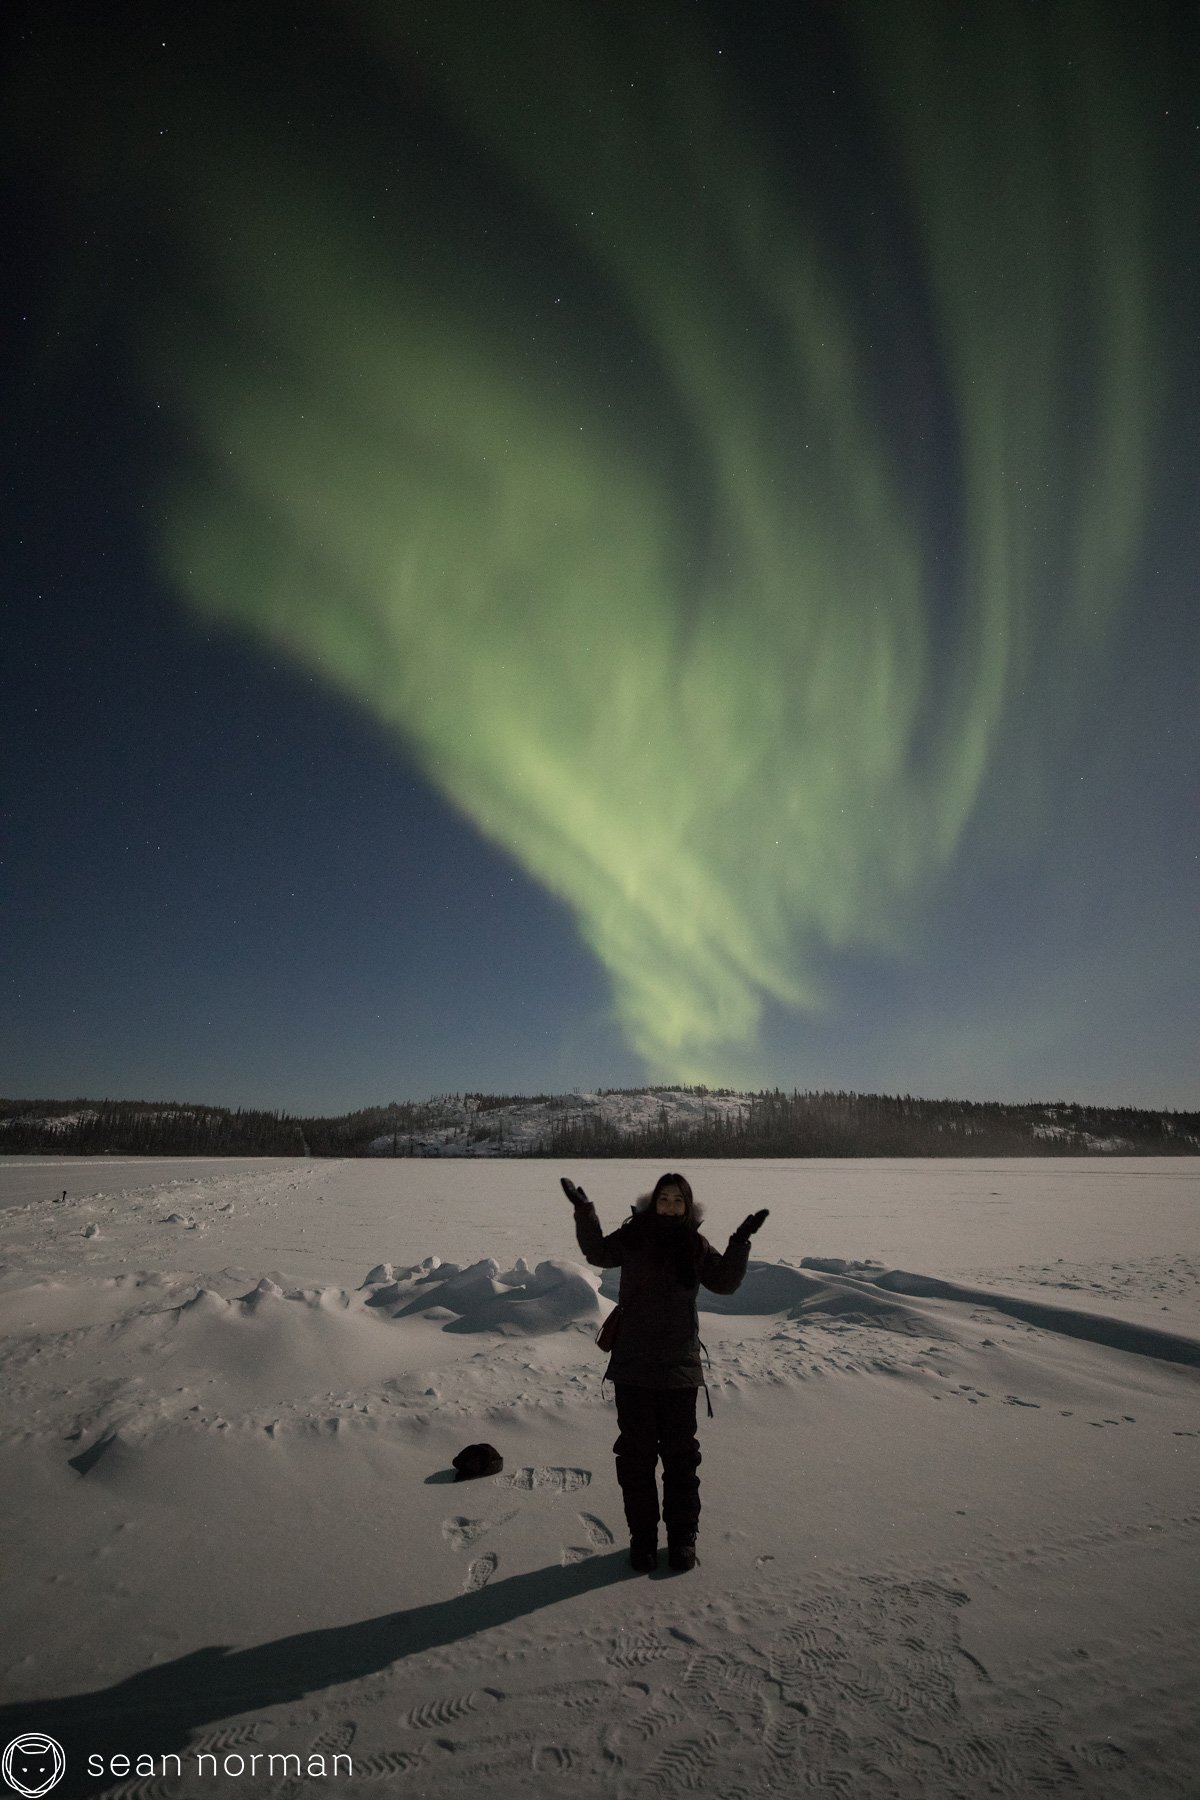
(349, 1134)
(146, 1128)
(768, 1124)
(863, 1125)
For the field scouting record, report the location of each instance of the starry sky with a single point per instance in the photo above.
(568, 545)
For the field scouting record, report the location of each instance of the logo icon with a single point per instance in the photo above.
(33, 1763)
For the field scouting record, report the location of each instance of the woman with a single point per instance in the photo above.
(655, 1362)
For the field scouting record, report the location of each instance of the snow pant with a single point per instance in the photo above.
(658, 1422)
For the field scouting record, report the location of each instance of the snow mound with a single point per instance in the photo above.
(840, 1265)
(518, 1303)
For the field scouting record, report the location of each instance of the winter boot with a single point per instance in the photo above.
(643, 1551)
(681, 1553)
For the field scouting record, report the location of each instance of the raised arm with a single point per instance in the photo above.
(724, 1274)
(604, 1252)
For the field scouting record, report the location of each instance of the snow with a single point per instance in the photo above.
(463, 1128)
(950, 1533)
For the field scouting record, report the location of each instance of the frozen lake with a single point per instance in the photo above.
(950, 1540)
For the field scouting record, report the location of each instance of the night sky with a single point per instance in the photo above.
(575, 544)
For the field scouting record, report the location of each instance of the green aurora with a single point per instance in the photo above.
(667, 614)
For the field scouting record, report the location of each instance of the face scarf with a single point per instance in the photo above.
(673, 1243)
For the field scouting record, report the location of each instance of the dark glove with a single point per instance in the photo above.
(574, 1194)
(750, 1224)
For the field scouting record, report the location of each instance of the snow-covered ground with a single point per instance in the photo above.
(950, 1534)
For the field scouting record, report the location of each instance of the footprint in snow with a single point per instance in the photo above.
(558, 1480)
(599, 1536)
(480, 1573)
(462, 1532)
(335, 1740)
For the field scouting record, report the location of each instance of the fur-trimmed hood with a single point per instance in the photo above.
(693, 1217)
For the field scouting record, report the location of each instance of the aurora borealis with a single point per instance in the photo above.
(722, 457)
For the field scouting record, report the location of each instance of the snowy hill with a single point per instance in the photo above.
(720, 1122)
(657, 1122)
(474, 1126)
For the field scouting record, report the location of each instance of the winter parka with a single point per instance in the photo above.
(658, 1342)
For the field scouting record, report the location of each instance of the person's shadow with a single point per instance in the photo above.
(153, 1712)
